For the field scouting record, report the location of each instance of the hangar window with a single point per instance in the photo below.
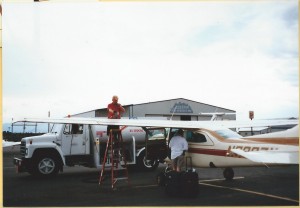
(195, 137)
(185, 118)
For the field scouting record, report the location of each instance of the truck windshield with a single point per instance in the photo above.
(56, 128)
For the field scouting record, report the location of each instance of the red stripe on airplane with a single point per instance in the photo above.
(216, 152)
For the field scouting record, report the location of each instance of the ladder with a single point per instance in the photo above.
(115, 152)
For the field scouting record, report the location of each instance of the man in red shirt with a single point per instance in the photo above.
(114, 111)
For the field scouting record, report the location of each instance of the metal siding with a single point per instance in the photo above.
(164, 108)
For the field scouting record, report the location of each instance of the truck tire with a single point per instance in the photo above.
(146, 165)
(45, 165)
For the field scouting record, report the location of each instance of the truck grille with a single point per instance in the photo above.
(23, 148)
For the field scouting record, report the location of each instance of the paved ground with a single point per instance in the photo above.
(78, 186)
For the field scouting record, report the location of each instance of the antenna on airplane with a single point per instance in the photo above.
(173, 112)
(171, 120)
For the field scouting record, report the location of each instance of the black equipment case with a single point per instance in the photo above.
(183, 183)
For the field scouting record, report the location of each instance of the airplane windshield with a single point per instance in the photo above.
(227, 133)
(56, 128)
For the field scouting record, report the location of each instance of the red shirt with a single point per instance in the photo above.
(115, 107)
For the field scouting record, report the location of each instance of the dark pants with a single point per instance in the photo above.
(115, 133)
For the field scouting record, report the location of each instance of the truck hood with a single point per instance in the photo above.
(42, 138)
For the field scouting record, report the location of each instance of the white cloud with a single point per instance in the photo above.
(74, 57)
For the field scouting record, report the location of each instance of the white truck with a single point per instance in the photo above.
(84, 145)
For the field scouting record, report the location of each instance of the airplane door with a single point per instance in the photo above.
(156, 145)
(73, 141)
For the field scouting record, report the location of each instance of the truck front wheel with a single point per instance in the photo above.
(45, 165)
(147, 165)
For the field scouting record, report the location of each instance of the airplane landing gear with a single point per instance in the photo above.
(228, 173)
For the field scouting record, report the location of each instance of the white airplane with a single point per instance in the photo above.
(212, 143)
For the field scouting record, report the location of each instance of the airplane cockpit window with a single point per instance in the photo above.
(227, 133)
(195, 137)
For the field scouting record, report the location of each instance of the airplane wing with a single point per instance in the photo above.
(9, 144)
(270, 157)
(164, 123)
(217, 116)
(275, 157)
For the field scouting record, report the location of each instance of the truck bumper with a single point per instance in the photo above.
(19, 164)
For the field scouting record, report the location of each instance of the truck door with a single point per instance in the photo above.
(73, 139)
(156, 145)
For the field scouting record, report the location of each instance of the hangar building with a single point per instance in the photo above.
(177, 109)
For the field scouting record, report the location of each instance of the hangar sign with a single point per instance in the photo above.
(181, 108)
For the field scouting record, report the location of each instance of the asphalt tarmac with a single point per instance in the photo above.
(78, 186)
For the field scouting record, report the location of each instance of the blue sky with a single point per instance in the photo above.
(69, 58)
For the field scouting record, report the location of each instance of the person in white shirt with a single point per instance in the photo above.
(178, 145)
